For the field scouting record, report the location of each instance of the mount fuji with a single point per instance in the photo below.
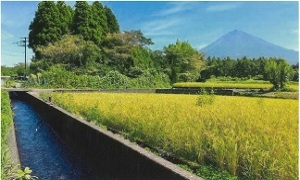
(237, 44)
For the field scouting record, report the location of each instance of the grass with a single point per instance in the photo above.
(231, 85)
(253, 138)
(225, 85)
(283, 95)
(8, 170)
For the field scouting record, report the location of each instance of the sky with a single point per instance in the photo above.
(198, 22)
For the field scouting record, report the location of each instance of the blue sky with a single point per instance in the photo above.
(199, 23)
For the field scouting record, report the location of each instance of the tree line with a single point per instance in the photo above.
(275, 70)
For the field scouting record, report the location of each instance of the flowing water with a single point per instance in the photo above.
(42, 150)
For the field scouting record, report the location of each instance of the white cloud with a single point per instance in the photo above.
(159, 33)
(176, 7)
(162, 24)
(161, 27)
(221, 7)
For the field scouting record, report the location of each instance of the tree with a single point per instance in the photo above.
(81, 20)
(278, 72)
(71, 50)
(46, 26)
(112, 22)
(117, 52)
(183, 59)
(99, 19)
(125, 50)
(159, 59)
(65, 17)
(97, 23)
(243, 67)
(141, 58)
(136, 38)
(7, 71)
(227, 66)
(16, 70)
(93, 22)
(296, 71)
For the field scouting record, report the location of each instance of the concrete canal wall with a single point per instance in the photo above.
(105, 152)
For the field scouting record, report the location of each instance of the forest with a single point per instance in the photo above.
(83, 47)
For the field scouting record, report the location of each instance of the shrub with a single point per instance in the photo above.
(114, 80)
(205, 98)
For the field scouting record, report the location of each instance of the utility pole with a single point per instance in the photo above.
(23, 43)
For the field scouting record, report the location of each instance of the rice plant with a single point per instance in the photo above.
(253, 138)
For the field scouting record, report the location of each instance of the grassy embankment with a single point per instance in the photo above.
(8, 170)
(253, 138)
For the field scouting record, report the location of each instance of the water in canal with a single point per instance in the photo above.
(42, 150)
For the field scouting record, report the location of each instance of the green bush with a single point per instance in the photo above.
(115, 80)
(205, 98)
(58, 77)
(212, 173)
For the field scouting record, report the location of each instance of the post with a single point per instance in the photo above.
(25, 40)
(23, 43)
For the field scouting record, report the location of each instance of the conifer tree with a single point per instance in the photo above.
(112, 21)
(65, 16)
(45, 27)
(98, 23)
(82, 19)
(100, 15)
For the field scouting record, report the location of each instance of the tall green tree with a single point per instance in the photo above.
(126, 50)
(65, 16)
(158, 59)
(112, 21)
(98, 23)
(82, 19)
(184, 61)
(296, 71)
(141, 58)
(279, 72)
(99, 17)
(46, 25)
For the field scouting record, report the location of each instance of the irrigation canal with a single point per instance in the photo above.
(42, 150)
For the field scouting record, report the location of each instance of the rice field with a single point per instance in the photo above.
(253, 138)
(235, 85)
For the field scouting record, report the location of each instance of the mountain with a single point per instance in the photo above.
(237, 44)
